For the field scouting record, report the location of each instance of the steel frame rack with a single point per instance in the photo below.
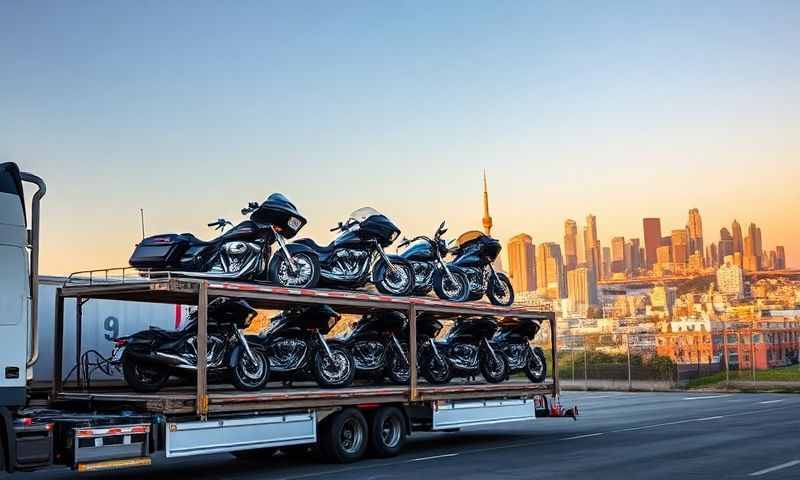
(189, 291)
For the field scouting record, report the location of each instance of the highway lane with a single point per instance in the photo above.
(619, 435)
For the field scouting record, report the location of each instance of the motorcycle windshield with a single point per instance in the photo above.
(364, 213)
(467, 237)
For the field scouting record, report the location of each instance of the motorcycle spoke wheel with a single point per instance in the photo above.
(336, 370)
(303, 274)
(396, 281)
(250, 375)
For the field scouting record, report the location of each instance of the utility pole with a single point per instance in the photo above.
(752, 354)
(628, 342)
(725, 352)
(141, 215)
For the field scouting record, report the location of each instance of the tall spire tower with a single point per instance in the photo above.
(487, 219)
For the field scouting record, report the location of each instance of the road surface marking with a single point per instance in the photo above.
(584, 436)
(770, 401)
(705, 419)
(705, 397)
(433, 457)
(775, 468)
(596, 396)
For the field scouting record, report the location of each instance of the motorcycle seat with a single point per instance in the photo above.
(315, 246)
(196, 242)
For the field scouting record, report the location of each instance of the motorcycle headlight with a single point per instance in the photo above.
(393, 237)
(294, 223)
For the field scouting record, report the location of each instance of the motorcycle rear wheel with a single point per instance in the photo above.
(143, 377)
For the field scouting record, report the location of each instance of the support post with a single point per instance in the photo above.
(412, 352)
(752, 355)
(725, 353)
(78, 339)
(572, 354)
(628, 351)
(58, 346)
(585, 367)
(202, 346)
(554, 348)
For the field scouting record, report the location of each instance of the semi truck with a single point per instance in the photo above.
(73, 422)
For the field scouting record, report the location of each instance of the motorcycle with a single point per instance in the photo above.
(357, 255)
(474, 253)
(241, 253)
(465, 350)
(377, 344)
(297, 349)
(151, 357)
(513, 340)
(426, 256)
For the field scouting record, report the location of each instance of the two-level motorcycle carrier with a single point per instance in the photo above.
(344, 423)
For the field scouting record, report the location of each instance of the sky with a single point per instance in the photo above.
(189, 110)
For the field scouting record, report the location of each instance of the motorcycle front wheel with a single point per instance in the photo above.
(437, 372)
(455, 290)
(304, 275)
(500, 291)
(494, 368)
(536, 366)
(397, 369)
(143, 377)
(248, 375)
(398, 281)
(337, 370)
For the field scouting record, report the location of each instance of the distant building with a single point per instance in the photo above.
(736, 234)
(522, 263)
(780, 258)
(635, 256)
(550, 279)
(591, 246)
(570, 244)
(619, 255)
(752, 249)
(662, 299)
(730, 279)
(712, 255)
(695, 264)
(664, 255)
(725, 246)
(652, 240)
(680, 246)
(582, 290)
(606, 262)
(695, 229)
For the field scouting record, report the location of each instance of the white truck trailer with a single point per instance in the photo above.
(90, 426)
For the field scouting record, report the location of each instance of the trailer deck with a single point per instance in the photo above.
(203, 400)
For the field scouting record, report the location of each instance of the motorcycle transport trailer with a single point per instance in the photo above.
(203, 420)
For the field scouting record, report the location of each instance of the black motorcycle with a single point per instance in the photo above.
(357, 255)
(152, 356)
(379, 347)
(474, 253)
(465, 351)
(297, 349)
(426, 256)
(241, 253)
(513, 340)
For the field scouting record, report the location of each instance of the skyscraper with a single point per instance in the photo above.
(725, 244)
(606, 262)
(736, 232)
(592, 246)
(619, 255)
(652, 240)
(582, 289)
(522, 263)
(487, 219)
(550, 280)
(780, 258)
(729, 279)
(712, 255)
(752, 249)
(695, 228)
(680, 246)
(570, 244)
(636, 260)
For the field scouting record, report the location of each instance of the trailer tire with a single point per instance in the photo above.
(343, 437)
(387, 432)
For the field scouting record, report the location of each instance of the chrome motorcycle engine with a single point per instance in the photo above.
(215, 351)
(516, 353)
(423, 273)
(369, 355)
(464, 356)
(287, 354)
(349, 264)
(236, 256)
(477, 278)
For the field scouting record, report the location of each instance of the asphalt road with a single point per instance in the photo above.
(619, 435)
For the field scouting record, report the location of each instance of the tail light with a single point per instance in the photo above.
(120, 342)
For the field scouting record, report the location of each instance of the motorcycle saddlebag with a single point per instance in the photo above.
(160, 251)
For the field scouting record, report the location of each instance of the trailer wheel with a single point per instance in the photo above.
(255, 454)
(343, 437)
(387, 432)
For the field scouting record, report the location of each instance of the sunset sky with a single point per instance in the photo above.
(191, 109)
